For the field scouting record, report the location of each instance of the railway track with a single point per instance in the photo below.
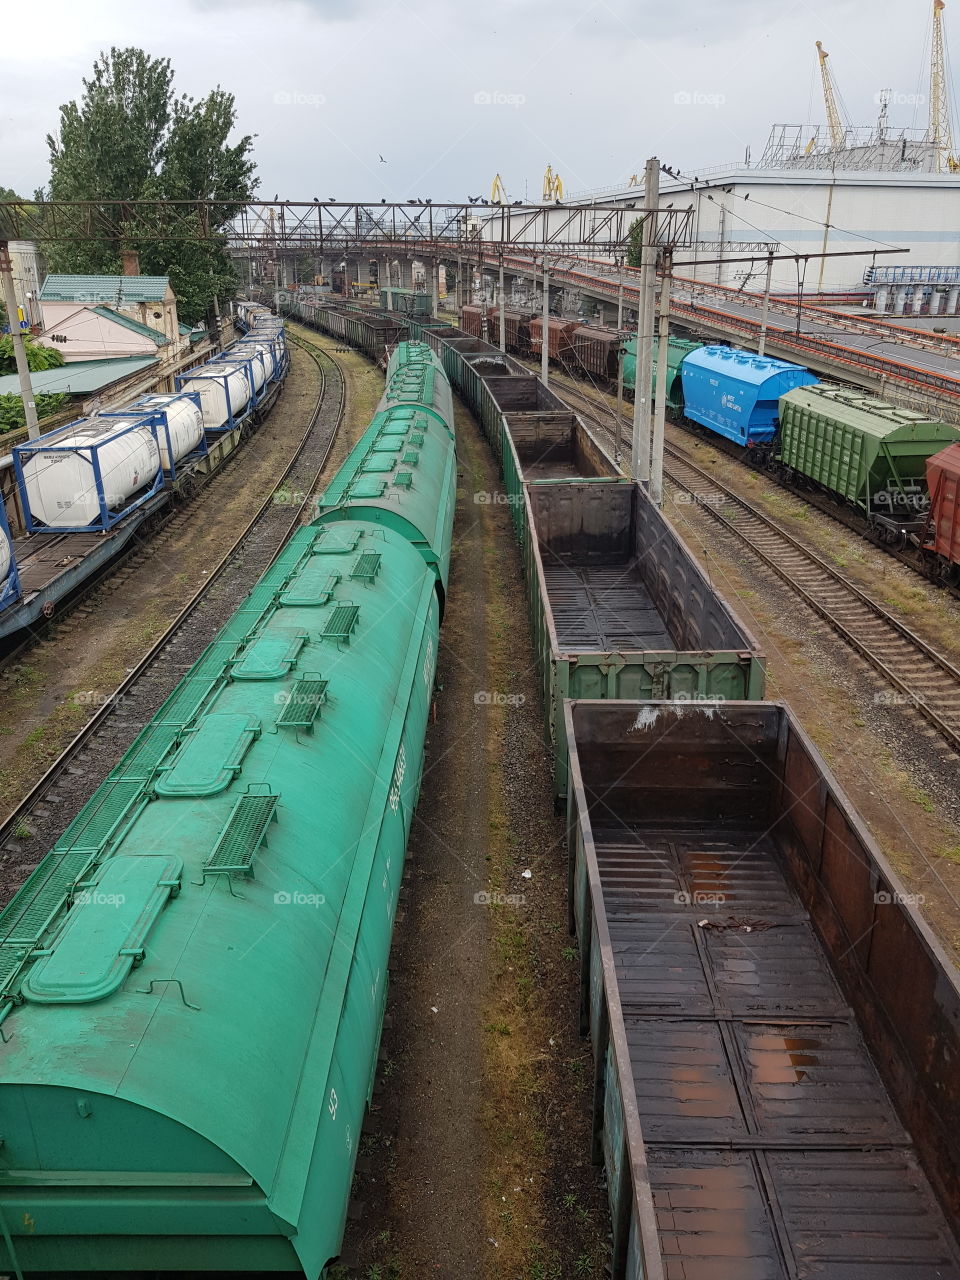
(848, 517)
(922, 677)
(889, 373)
(40, 816)
(135, 553)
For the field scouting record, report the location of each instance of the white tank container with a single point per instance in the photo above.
(252, 355)
(237, 355)
(61, 490)
(5, 556)
(264, 360)
(184, 424)
(212, 381)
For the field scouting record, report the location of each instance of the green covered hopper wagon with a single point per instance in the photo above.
(862, 450)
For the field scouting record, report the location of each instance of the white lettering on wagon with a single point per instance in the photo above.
(398, 775)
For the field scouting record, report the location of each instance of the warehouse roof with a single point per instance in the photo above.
(129, 323)
(116, 289)
(82, 377)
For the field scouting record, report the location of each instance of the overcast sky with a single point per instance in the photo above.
(452, 92)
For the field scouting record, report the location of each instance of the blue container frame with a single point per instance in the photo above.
(108, 518)
(246, 358)
(277, 340)
(10, 591)
(201, 370)
(246, 361)
(163, 428)
(278, 349)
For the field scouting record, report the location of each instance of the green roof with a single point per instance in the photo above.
(135, 326)
(82, 377)
(114, 289)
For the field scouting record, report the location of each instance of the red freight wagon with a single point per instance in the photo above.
(471, 320)
(943, 482)
(517, 325)
(560, 337)
(594, 351)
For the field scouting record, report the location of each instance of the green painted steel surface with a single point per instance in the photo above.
(863, 449)
(420, 326)
(184, 1084)
(414, 302)
(402, 471)
(677, 349)
(613, 523)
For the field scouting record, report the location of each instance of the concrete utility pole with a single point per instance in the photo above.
(761, 346)
(503, 307)
(435, 280)
(19, 349)
(617, 454)
(545, 334)
(660, 410)
(389, 285)
(458, 288)
(640, 451)
(484, 304)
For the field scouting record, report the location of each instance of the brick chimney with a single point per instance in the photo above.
(131, 262)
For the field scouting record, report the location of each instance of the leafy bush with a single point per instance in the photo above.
(12, 415)
(38, 357)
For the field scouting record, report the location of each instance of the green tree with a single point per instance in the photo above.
(132, 137)
(38, 357)
(634, 242)
(12, 415)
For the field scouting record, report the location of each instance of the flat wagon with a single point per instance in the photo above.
(775, 1029)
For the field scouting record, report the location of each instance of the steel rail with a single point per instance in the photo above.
(912, 377)
(23, 807)
(917, 694)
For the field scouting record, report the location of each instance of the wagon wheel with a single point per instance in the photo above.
(947, 572)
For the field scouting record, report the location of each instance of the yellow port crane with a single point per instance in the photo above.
(498, 192)
(834, 123)
(939, 130)
(552, 185)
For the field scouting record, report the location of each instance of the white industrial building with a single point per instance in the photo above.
(823, 212)
(737, 210)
